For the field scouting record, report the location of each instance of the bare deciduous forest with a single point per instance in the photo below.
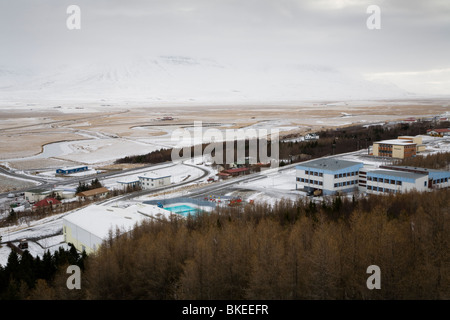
(294, 250)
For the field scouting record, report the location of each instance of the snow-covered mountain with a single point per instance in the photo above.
(187, 79)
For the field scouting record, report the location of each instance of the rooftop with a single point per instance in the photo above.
(46, 202)
(413, 169)
(235, 170)
(99, 219)
(126, 180)
(93, 192)
(39, 191)
(396, 142)
(398, 174)
(438, 130)
(153, 175)
(75, 167)
(329, 164)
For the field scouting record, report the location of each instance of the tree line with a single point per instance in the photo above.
(291, 250)
(28, 277)
(332, 141)
(83, 186)
(438, 161)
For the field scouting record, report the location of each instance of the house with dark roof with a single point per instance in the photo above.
(93, 194)
(47, 203)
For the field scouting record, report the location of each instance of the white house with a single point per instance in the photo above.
(129, 182)
(151, 180)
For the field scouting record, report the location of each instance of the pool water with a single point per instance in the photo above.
(182, 209)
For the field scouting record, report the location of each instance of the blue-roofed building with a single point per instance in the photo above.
(436, 178)
(330, 176)
(391, 181)
(72, 170)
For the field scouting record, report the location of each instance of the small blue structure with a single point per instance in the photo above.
(160, 205)
(71, 170)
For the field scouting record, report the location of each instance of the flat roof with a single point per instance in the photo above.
(438, 130)
(99, 219)
(93, 192)
(397, 174)
(128, 180)
(39, 191)
(329, 164)
(234, 170)
(153, 175)
(396, 141)
(432, 173)
(75, 167)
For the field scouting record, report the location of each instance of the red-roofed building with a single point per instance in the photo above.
(47, 203)
(237, 171)
(438, 132)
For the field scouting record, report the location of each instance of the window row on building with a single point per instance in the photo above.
(345, 183)
(314, 173)
(346, 174)
(380, 189)
(310, 181)
(443, 180)
(384, 180)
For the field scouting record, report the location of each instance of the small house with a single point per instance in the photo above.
(51, 203)
(93, 194)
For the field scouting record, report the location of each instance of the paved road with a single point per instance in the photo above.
(47, 184)
(156, 190)
(52, 226)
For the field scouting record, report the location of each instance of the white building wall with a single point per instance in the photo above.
(80, 238)
(329, 182)
(420, 184)
(150, 183)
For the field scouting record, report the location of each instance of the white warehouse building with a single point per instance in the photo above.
(87, 228)
(151, 180)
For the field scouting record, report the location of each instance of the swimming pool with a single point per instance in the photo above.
(182, 209)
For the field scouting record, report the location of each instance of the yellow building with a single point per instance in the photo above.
(420, 147)
(395, 148)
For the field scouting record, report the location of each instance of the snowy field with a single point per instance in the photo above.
(269, 186)
(8, 183)
(46, 233)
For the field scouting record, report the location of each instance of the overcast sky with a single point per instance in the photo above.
(412, 48)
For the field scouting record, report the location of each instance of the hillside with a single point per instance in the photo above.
(189, 79)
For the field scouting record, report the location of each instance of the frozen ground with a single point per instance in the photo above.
(9, 183)
(270, 187)
(46, 233)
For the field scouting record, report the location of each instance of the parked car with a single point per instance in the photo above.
(23, 244)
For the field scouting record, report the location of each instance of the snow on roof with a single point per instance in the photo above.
(127, 180)
(396, 141)
(39, 191)
(73, 167)
(99, 220)
(329, 164)
(397, 174)
(93, 192)
(153, 175)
